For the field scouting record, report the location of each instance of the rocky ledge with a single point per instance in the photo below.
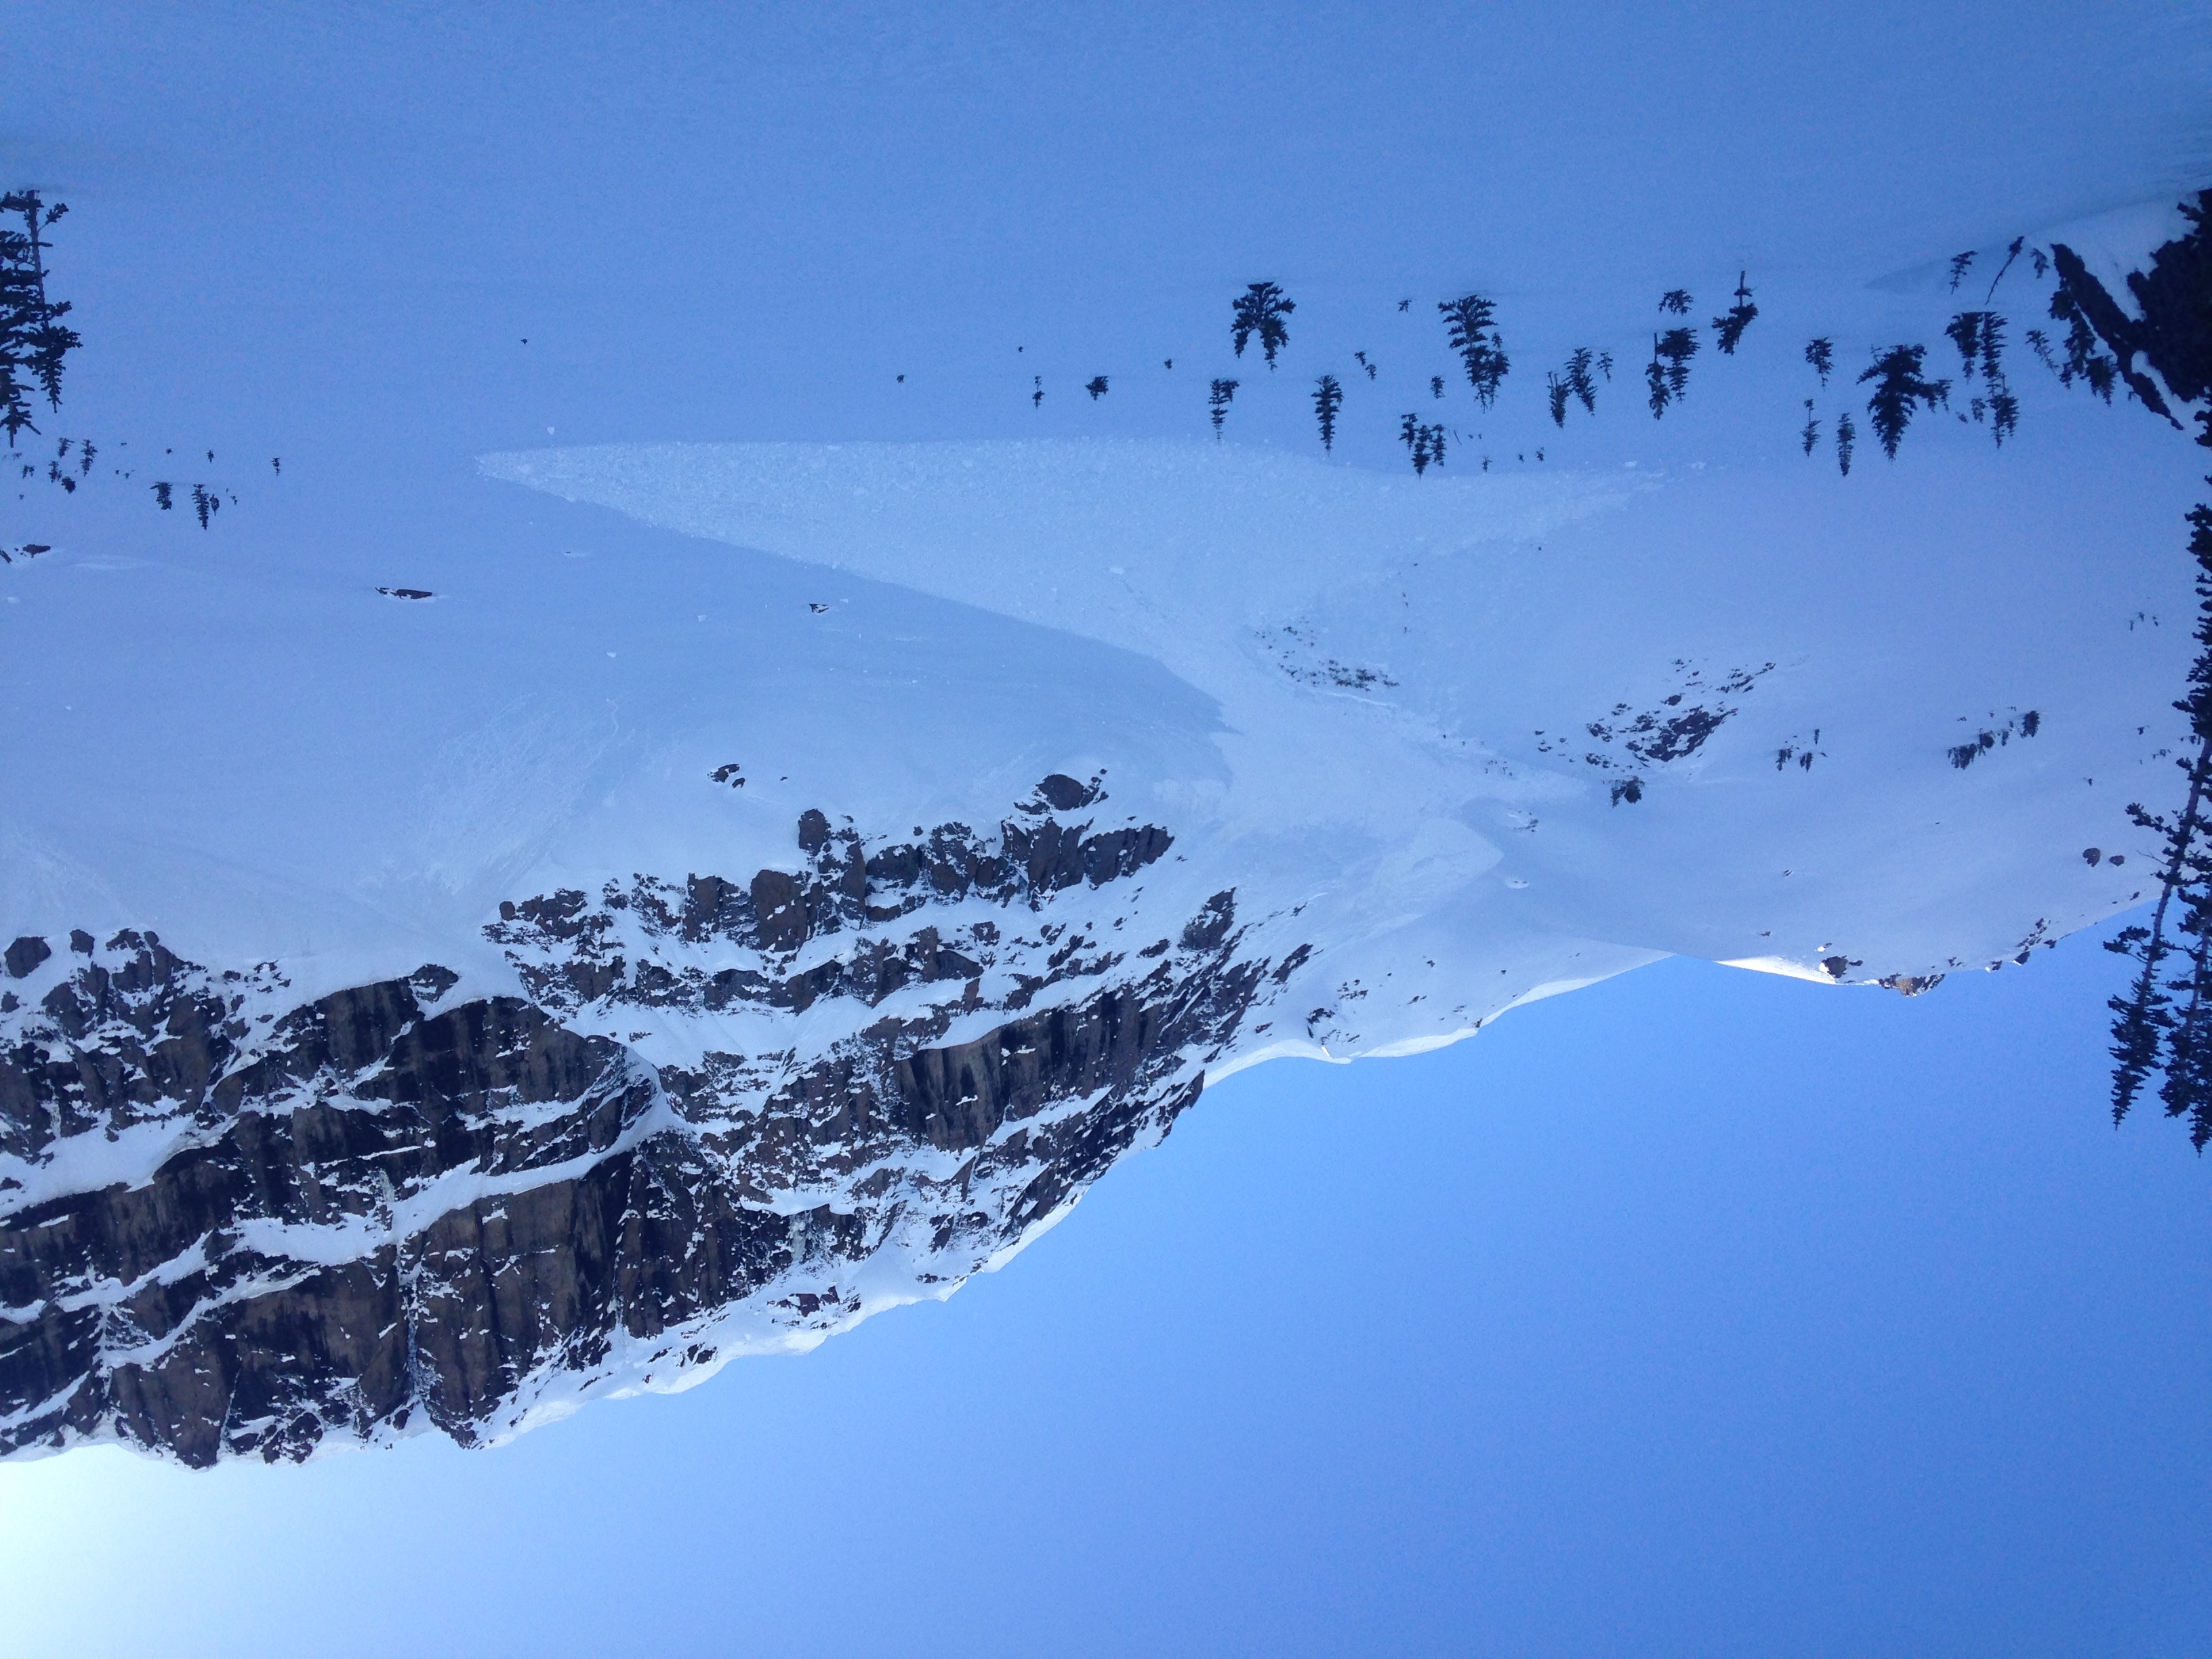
(234, 1221)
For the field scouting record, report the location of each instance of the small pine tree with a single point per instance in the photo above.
(1669, 373)
(1847, 440)
(1821, 355)
(1471, 328)
(1959, 264)
(1729, 330)
(1900, 388)
(1096, 386)
(1579, 381)
(1328, 398)
(1437, 387)
(34, 342)
(1217, 400)
(1558, 391)
(1037, 396)
(1261, 310)
(1964, 330)
(161, 495)
(1605, 364)
(204, 504)
(1811, 431)
(1675, 300)
(1425, 444)
(2011, 254)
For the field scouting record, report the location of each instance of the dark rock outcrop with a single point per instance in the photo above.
(404, 1205)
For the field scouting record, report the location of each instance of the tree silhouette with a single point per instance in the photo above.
(1437, 385)
(1096, 386)
(1328, 398)
(1729, 330)
(1261, 310)
(1668, 374)
(1556, 390)
(34, 342)
(1847, 440)
(161, 495)
(1217, 402)
(2011, 254)
(1471, 328)
(1036, 397)
(1979, 337)
(1959, 264)
(1578, 378)
(206, 503)
(1676, 300)
(1821, 355)
(1899, 388)
(1811, 431)
(2165, 1023)
(1424, 443)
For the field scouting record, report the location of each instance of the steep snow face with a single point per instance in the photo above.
(767, 883)
(1752, 716)
(655, 964)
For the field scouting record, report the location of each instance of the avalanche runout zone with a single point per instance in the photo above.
(396, 1207)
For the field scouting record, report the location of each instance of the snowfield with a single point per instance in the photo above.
(762, 884)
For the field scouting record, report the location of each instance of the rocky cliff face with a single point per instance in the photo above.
(234, 1221)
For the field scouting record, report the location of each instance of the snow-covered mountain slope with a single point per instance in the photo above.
(764, 883)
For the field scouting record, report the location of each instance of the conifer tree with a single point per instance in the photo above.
(1261, 310)
(161, 495)
(1811, 431)
(1437, 387)
(1096, 387)
(1556, 389)
(1328, 398)
(1471, 328)
(1036, 397)
(1578, 378)
(1729, 330)
(2166, 1023)
(2011, 254)
(1676, 300)
(34, 342)
(1959, 264)
(1847, 440)
(1216, 404)
(1668, 374)
(1605, 364)
(1821, 355)
(1424, 443)
(1900, 388)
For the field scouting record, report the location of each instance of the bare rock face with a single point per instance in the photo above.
(236, 1222)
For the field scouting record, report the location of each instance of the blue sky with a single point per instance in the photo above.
(1697, 1313)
